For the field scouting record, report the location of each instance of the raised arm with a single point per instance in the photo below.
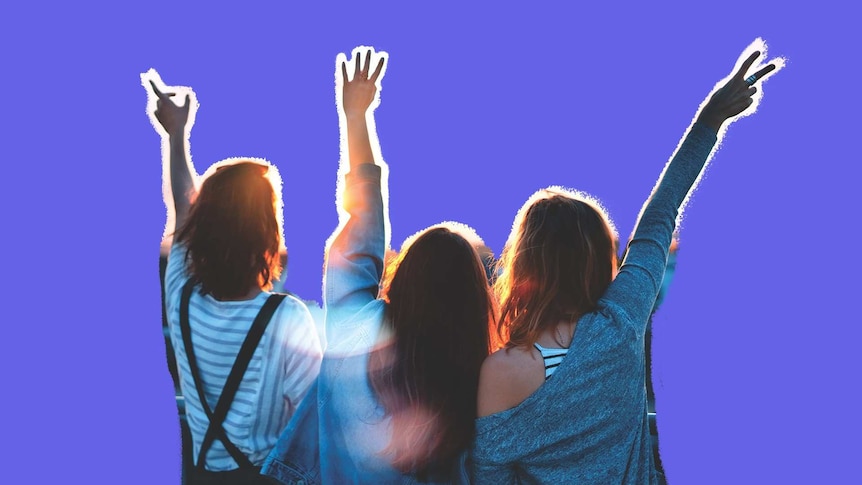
(638, 283)
(354, 262)
(174, 119)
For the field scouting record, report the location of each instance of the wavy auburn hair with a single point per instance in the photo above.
(559, 260)
(440, 312)
(233, 231)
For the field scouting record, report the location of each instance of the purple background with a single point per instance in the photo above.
(756, 349)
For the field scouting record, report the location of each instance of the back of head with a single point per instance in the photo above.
(440, 310)
(559, 260)
(232, 232)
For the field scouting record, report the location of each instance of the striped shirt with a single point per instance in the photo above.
(282, 368)
(552, 357)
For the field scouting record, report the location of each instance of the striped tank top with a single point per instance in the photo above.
(552, 357)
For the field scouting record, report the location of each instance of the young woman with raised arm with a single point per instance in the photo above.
(396, 397)
(224, 257)
(565, 401)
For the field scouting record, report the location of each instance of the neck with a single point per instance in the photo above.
(250, 295)
(561, 334)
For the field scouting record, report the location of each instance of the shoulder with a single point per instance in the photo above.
(297, 326)
(508, 376)
(292, 310)
(175, 275)
(175, 266)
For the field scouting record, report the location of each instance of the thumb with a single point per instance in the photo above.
(186, 103)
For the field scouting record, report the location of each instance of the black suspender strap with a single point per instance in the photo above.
(237, 455)
(216, 417)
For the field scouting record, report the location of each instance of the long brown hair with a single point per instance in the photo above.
(559, 260)
(233, 232)
(440, 311)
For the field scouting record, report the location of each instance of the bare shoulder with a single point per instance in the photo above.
(508, 376)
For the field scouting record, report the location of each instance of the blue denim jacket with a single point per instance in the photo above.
(339, 431)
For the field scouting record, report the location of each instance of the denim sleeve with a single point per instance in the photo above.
(354, 260)
(296, 456)
(638, 283)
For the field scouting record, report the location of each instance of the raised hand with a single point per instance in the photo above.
(735, 95)
(175, 120)
(172, 117)
(359, 93)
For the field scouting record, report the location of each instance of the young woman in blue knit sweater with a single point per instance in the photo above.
(565, 401)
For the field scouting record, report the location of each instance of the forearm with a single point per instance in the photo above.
(655, 227)
(678, 178)
(638, 283)
(358, 140)
(181, 178)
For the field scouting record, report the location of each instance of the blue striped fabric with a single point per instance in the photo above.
(552, 358)
(281, 370)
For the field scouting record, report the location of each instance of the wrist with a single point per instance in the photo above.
(710, 122)
(355, 115)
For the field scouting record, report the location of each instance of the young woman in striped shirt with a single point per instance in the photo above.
(226, 247)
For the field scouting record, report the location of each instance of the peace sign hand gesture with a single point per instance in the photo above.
(359, 93)
(735, 96)
(172, 117)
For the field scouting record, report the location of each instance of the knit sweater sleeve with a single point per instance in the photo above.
(493, 473)
(638, 283)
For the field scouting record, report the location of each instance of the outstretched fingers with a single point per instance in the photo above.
(359, 94)
(358, 68)
(162, 96)
(367, 64)
(377, 71)
(361, 68)
(159, 94)
(759, 74)
(747, 65)
(738, 93)
(766, 70)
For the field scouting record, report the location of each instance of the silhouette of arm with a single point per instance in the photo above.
(174, 119)
(638, 283)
